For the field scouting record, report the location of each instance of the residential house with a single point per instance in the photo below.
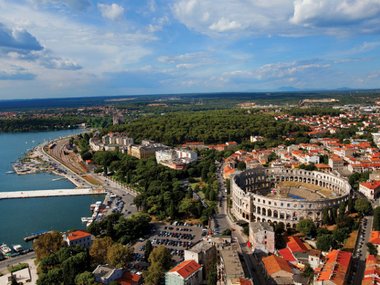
(187, 272)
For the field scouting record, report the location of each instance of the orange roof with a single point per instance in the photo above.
(244, 281)
(186, 268)
(129, 278)
(295, 244)
(322, 165)
(375, 237)
(275, 264)
(287, 254)
(77, 235)
(371, 184)
(335, 267)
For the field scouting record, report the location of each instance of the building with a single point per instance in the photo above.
(145, 150)
(261, 236)
(105, 274)
(80, 238)
(376, 138)
(375, 240)
(230, 265)
(175, 158)
(370, 189)
(371, 271)
(187, 272)
(295, 251)
(204, 253)
(129, 278)
(336, 163)
(335, 269)
(260, 195)
(277, 270)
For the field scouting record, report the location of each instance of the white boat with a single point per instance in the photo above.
(9, 172)
(18, 248)
(5, 249)
(85, 219)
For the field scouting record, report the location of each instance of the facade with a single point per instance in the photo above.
(249, 204)
(145, 150)
(336, 163)
(335, 270)
(175, 158)
(105, 274)
(80, 238)
(261, 236)
(186, 273)
(203, 253)
(370, 189)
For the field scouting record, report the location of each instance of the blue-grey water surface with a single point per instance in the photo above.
(20, 217)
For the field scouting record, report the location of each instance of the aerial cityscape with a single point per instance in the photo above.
(189, 142)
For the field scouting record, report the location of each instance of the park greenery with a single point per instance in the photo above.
(120, 229)
(164, 192)
(212, 127)
(160, 261)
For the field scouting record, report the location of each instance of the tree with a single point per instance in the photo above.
(148, 249)
(363, 206)
(160, 261)
(53, 277)
(308, 271)
(85, 278)
(325, 216)
(99, 249)
(325, 242)
(341, 211)
(376, 219)
(307, 227)
(372, 249)
(118, 255)
(47, 244)
(241, 165)
(341, 234)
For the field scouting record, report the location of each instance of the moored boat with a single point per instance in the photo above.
(18, 248)
(5, 249)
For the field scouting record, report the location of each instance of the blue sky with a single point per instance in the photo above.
(63, 48)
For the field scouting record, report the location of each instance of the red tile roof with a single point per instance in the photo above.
(244, 281)
(375, 237)
(287, 254)
(371, 184)
(335, 267)
(186, 268)
(274, 264)
(295, 244)
(77, 235)
(129, 278)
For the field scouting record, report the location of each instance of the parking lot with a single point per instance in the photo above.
(177, 237)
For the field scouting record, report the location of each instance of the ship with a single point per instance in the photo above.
(5, 249)
(18, 248)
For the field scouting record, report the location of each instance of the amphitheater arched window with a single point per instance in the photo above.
(275, 214)
(264, 211)
(269, 213)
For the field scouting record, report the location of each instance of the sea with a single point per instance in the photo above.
(21, 217)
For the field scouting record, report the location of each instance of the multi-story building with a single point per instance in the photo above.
(336, 163)
(187, 272)
(175, 158)
(80, 238)
(370, 189)
(106, 274)
(230, 265)
(277, 270)
(204, 253)
(145, 150)
(261, 236)
(335, 269)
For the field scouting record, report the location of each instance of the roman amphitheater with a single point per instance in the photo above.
(285, 195)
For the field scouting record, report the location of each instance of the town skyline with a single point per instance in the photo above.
(80, 48)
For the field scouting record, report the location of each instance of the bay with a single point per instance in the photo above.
(21, 217)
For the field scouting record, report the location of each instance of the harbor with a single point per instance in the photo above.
(50, 193)
(22, 217)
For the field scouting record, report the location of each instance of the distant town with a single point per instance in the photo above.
(256, 193)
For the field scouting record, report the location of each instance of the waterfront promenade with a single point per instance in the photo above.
(50, 193)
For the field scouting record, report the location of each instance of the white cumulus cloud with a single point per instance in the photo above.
(112, 12)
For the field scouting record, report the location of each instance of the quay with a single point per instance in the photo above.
(50, 193)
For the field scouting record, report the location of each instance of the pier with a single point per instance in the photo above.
(50, 193)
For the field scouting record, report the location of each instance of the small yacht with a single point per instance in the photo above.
(5, 249)
(18, 248)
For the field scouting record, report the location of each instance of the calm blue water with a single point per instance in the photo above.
(20, 217)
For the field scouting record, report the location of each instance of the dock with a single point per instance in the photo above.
(50, 193)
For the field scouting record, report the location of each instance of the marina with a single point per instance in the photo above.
(50, 193)
(21, 217)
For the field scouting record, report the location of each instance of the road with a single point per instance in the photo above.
(15, 260)
(360, 252)
(223, 220)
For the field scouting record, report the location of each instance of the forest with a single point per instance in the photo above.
(210, 127)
